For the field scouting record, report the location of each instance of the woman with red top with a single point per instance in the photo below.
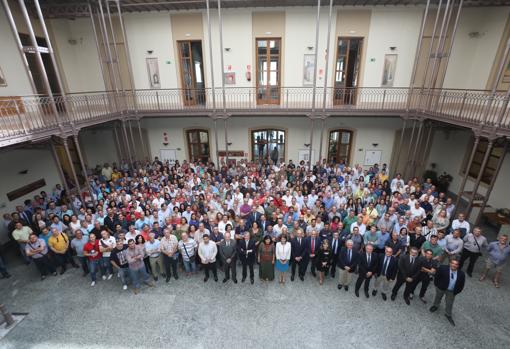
(91, 251)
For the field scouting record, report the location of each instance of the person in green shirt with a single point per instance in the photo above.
(437, 251)
(351, 218)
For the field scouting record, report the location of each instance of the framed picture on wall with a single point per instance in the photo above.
(390, 66)
(3, 82)
(308, 69)
(230, 78)
(153, 72)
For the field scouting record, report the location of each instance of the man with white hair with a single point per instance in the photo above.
(347, 262)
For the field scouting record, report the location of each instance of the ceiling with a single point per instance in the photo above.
(79, 8)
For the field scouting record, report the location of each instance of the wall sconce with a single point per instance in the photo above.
(307, 145)
(310, 48)
(227, 49)
(179, 149)
(149, 52)
(229, 143)
(393, 48)
(375, 145)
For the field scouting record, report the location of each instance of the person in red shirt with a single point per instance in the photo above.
(91, 251)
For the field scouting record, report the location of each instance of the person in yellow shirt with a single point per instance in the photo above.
(383, 176)
(58, 243)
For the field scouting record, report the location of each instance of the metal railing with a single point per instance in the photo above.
(26, 115)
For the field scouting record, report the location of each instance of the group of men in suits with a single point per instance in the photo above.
(391, 273)
(230, 250)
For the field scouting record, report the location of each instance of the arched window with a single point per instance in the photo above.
(339, 146)
(267, 144)
(198, 145)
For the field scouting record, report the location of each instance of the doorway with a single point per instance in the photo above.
(198, 145)
(192, 72)
(347, 67)
(268, 71)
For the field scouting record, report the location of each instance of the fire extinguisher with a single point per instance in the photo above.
(165, 139)
(248, 76)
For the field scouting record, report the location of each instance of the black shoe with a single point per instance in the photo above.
(313, 274)
(206, 278)
(406, 299)
(54, 273)
(339, 286)
(470, 274)
(433, 308)
(62, 271)
(176, 277)
(450, 320)
(346, 288)
(356, 292)
(423, 300)
(167, 279)
(76, 266)
(411, 296)
(6, 275)
(84, 274)
(301, 277)
(374, 293)
(393, 296)
(155, 278)
(225, 280)
(216, 279)
(43, 277)
(292, 278)
(252, 281)
(384, 296)
(367, 295)
(235, 281)
(243, 279)
(332, 276)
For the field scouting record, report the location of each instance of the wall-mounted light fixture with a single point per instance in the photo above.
(375, 145)
(227, 49)
(310, 48)
(229, 143)
(149, 52)
(393, 48)
(307, 145)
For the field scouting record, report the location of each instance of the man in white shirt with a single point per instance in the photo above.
(207, 252)
(461, 225)
(394, 181)
(418, 211)
(152, 247)
(106, 245)
(362, 227)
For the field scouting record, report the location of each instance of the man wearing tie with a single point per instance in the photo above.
(449, 282)
(409, 268)
(228, 253)
(298, 255)
(366, 269)
(312, 245)
(246, 251)
(336, 246)
(386, 272)
(347, 262)
(252, 217)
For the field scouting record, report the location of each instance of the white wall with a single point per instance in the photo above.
(98, 147)
(472, 58)
(392, 27)
(11, 63)
(366, 131)
(151, 31)
(39, 163)
(80, 61)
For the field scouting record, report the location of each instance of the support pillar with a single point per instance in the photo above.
(145, 150)
(216, 143)
(427, 143)
(73, 171)
(98, 48)
(133, 143)
(83, 167)
(126, 139)
(59, 168)
(400, 146)
(479, 178)
(118, 143)
(466, 175)
(418, 140)
(311, 144)
(409, 150)
(226, 139)
(323, 125)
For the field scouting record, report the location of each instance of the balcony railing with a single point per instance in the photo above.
(21, 117)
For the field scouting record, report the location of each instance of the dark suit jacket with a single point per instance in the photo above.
(317, 245)
(391, 272)
(228, 252)
(242, 251)
(343, 259)
(442, 279)
(364, 267)
(250, 219)
(298, 250)
(340, 243)
(406, 269)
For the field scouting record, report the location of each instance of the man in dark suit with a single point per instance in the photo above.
(263, 223)
(336, 247)
(449, 281)
(246, 252)
(347, 262)
(386, 272)
(252, 217)
(228, 253)
(298, 255)
(409, 268)
(313, 244)
(367, 267)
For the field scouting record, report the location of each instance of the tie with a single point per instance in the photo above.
(228, 243)
(451, 275)
(412, 260)
(350, 251)
(368, 258)
(313, 246)
(385, 266)
(334, 246)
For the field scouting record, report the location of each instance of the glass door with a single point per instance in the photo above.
(198, 145)
(347, 68)
(192, 72)
(268, 71)
(268, 145)
(339, 146)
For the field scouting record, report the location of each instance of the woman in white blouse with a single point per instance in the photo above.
(282, 257)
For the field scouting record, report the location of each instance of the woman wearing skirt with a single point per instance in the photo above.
(282, 257)
(266, 259)
(324, 258)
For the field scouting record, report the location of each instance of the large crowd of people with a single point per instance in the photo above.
(162, 220)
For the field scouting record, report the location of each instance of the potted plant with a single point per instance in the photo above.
(443, 182)
(431, 173)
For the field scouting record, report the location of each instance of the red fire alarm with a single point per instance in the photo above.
(165, 138)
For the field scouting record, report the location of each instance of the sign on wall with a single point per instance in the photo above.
(308, 69)
(372, 157)
(153, 71)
